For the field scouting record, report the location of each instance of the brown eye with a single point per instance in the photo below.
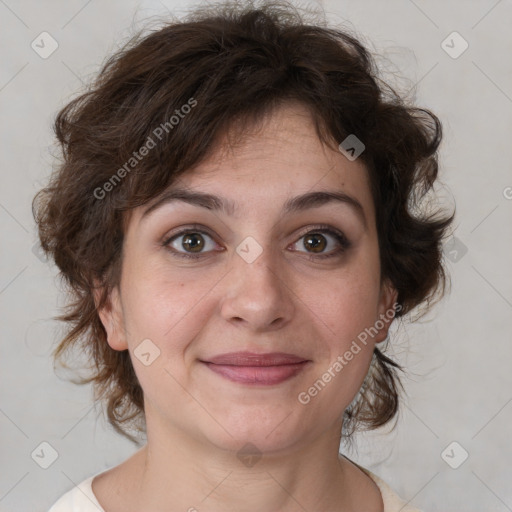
(315, 242)
(189, 243)
(324, 243)
(193, 242)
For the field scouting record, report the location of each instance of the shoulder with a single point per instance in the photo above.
(82, 497)
(392, 501)
(79, 499)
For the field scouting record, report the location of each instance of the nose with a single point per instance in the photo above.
(257, 294)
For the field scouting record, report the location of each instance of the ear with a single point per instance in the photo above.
(111, 316)
(386, 310)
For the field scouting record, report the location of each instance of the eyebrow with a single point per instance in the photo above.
(293, 205)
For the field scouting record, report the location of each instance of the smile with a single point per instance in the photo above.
(257, 369)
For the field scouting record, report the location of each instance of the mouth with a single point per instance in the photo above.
(257, 369)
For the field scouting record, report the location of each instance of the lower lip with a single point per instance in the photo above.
(257, 375)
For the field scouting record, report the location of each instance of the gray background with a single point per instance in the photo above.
(458, 357)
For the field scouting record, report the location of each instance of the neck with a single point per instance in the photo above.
(177, 472)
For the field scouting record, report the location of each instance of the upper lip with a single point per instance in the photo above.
(254, 359)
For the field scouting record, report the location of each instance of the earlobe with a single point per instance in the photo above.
(111, 317)
(386, 310)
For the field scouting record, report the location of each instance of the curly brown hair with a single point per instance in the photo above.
(232, 64)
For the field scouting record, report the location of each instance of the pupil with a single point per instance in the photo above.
(188, 242)
(310, 240)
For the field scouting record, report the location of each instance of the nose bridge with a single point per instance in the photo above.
(257, 293)
(256, 264)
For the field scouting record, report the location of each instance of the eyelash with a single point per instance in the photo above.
(321, 229)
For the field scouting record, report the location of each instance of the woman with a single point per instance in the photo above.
(238, 216)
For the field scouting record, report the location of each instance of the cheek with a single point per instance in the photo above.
(164, 307)
(163, 311)
(348, 303)
(345, 317)
(348, 347)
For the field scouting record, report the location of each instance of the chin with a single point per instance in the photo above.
(267, 430)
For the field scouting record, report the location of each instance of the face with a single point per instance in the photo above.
(291, 283)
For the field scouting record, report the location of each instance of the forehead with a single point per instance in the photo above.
(286, 138)
(273, 161)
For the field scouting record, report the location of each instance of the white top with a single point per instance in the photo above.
(82, 499)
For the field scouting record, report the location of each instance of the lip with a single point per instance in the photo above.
(255, 359)
(257, 369)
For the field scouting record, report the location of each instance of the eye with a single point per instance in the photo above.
(191, 240)
(315, 242)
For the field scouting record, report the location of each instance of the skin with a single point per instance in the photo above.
(196, 420)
